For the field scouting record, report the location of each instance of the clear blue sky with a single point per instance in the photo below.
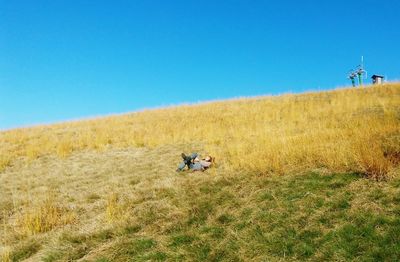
(62, 60)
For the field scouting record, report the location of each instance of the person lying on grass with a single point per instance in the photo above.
(194, 163)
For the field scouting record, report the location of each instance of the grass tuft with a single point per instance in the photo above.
(5, 161)
(372, 161)
(114, 208)
(24, 251)
(44, 217)
(64, 148)
(5, 254)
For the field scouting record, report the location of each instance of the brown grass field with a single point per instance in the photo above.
(311, 176)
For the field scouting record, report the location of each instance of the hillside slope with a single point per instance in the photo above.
(290, 182)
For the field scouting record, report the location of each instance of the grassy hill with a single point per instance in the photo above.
(310, 176)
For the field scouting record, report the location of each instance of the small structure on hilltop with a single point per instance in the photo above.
(377, 79)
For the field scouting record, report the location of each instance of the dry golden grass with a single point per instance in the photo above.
(4, 161)
(44, 217)
(5, 255)
(117, 174)
(280, 134)
(114, 208)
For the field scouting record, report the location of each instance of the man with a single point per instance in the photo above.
(194, 163)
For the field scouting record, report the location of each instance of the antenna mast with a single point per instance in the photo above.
(362, 61)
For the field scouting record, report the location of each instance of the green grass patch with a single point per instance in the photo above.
(309, 217)
(181, 240)
(139, 245)
(25, 250)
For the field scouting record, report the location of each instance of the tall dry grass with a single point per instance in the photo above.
(114, 208)
(5, 255)
(340, 130)
(44, 217)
